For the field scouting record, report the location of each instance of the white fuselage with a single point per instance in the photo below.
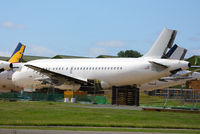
(110, 71)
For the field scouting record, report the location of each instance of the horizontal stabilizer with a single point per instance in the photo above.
(161, 66)
(164, 41)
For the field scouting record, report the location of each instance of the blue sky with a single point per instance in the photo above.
(94, 27)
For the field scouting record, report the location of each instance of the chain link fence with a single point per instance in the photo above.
(172, 98)
(51, 97)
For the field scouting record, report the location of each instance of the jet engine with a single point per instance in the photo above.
(4, 65)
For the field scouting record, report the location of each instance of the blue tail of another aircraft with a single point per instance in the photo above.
(18, 53)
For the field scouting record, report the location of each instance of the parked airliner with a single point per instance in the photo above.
(73, 73)
(8, 68)
(15, 58)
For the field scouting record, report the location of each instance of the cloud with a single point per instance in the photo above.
(5, 54)
(149, 41)
(39, 51)
(12, 25)
(111, 43)
(97, 51)
(193, 52)
(195, 38)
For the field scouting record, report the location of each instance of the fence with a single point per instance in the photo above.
(172, 98)
(50, 97)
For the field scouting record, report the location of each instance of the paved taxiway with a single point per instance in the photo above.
(23, 131)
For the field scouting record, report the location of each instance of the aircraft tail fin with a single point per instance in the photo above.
(164, 41)
(18, 53)
(176, 52)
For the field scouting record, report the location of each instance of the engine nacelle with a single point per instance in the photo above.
(4, 65)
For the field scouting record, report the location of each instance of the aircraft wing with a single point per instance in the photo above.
(57, 76)
(189, 73)
(174, 79)
(180, 77)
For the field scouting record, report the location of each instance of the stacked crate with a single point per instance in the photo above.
(125, 96)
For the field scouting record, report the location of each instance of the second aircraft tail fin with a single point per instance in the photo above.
(176, 52)
(18, 53)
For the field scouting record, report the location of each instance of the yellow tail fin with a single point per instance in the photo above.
(18, 53)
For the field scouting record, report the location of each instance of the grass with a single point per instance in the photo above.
(62, 114)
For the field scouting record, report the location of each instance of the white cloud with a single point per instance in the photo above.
(104, 47)
(193, 52)
(194, 39)
(5, 54)
(111, 43)
(149, 41)
(97, 51)
(39, 51)
(12, 25)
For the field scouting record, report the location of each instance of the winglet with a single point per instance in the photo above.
(164, 41)
(18, 53)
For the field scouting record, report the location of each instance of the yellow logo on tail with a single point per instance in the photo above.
(18, 53)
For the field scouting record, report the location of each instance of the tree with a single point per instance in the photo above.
(129, 53)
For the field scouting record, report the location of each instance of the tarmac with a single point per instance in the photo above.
(33, 131)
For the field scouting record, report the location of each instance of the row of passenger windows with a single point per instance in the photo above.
(85, 68)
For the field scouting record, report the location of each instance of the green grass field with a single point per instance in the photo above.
(57, 113)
